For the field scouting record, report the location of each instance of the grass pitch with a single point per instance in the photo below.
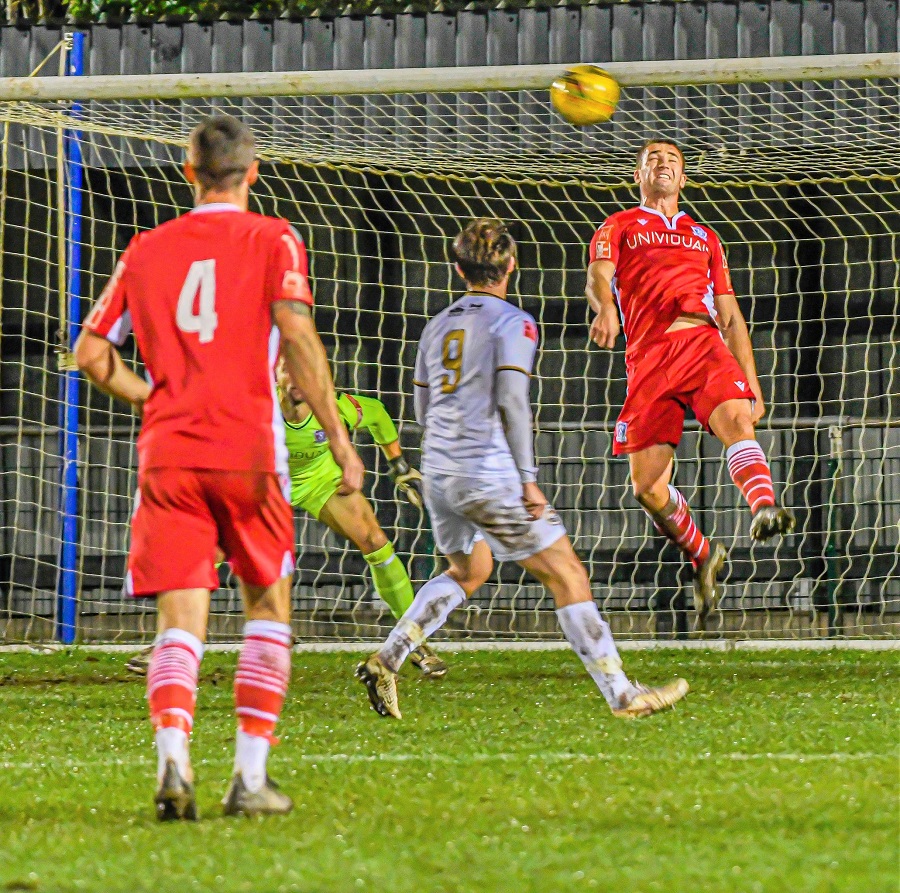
(778, 773)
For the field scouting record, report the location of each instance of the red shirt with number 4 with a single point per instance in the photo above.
(664, 267)
(198, 293)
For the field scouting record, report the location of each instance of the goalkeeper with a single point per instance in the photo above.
(316, 477)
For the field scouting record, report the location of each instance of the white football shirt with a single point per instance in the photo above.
(460, 353)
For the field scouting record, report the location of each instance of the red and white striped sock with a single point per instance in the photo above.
(750, 472)
(172, 695)
(675, 523)
(260, 684)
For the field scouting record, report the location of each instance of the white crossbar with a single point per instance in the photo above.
(848, 66)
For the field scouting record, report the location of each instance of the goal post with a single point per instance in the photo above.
(792, 161)
(70, 185)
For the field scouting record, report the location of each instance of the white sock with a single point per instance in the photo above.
(590, 637)
(172, 744)
(429, 611)
(250, 755)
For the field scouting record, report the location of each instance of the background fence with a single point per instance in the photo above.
(813, 250)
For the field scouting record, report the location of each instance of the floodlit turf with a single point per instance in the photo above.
(779, 773)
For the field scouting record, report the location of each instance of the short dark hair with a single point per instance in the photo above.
(221, 150)
(483, 250)
(652, 142)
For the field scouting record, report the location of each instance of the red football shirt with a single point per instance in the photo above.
(663, 268)
(198, 293)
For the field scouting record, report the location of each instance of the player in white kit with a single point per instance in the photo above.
(471, 382)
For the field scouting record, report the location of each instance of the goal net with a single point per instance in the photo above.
(794, 164)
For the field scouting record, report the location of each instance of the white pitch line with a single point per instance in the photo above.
(718, 645)
(466, 759)
(566, 757)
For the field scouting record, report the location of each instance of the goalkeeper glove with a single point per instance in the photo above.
(407, 480)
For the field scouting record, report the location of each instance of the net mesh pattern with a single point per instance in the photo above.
(757, 131)
(800, 182)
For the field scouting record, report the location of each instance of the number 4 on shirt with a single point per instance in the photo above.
(201, 278)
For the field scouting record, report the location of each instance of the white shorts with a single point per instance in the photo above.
(465, 510)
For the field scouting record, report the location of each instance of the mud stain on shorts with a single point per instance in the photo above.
(508, 529)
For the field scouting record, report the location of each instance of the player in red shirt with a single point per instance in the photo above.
(687, 346)
(211, 296)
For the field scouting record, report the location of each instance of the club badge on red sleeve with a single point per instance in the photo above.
(294, 287)
(601, 244)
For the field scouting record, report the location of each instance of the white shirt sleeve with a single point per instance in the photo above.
(516, 346)
(516, 343)
(421, 393)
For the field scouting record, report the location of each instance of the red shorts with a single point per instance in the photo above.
(182, 514)
(688, 368)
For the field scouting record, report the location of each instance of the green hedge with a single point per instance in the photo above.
(116, 11)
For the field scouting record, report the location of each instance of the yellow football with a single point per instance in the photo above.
(584, 95)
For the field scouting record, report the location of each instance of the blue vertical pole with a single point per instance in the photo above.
(67, 600)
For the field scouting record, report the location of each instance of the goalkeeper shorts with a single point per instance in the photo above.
(182, 514)
(311, 491)
(464, 510)
(688, 368)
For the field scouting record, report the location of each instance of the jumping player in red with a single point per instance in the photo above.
(210, 297)
(687, 346)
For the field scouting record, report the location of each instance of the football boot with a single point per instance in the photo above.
(268, 800)
(707, 589)
(652, 700)
(768, 521)
(381, 686)
(427, 662)
(175, 797)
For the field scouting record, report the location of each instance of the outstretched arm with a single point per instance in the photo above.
(108, 324)
(372, 415)
(605, 328)
(307, 364)
(734, 331)
(104, 367)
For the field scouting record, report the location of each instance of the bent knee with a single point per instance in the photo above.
(652, 495)
(575, 579)
(366, 534)
(732, 421)
(569, 582)
(472, 577)
(560, 568)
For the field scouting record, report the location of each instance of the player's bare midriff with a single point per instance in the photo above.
(690, 321)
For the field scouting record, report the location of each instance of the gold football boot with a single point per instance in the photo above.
(381, 686)
(652, 700)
